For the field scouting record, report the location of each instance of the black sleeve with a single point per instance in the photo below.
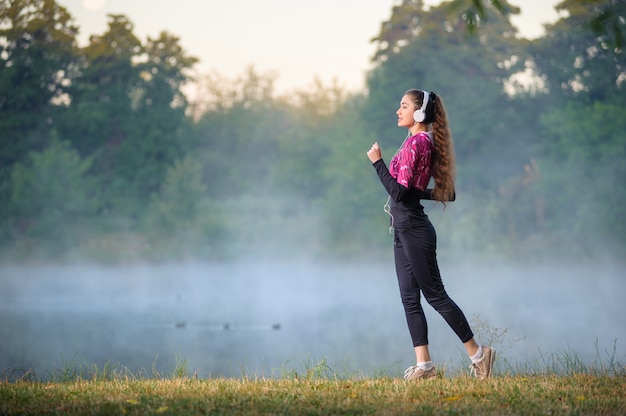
(428, 195)
(394, 189)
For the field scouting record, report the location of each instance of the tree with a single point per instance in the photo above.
(609, 21)
(475, 11)
(581, 113)
(315, 118)
(37, 59)
(238, 131)
(181, 219)
(51, 197)
(159, 99)
(100, 115)
(351, 199)
(264, 158)
(156, 135)
(572, 60)
(128, 112)
(583, 165)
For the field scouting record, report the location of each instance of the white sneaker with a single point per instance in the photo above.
(482, 369)
(416, 373)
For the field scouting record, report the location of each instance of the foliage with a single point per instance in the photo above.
(37, 46)
(103, 154)
(239, 133)
(350, 203)
(609, 21)
(572, 61)
(180, 216)
(473, 11)
(37, 57)
(594, 136)
(128, 112)
(51, 197)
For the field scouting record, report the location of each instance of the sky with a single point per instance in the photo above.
(298, 41)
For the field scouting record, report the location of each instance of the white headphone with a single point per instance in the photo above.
(420, 115)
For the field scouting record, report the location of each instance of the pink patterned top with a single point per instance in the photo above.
(411, 164)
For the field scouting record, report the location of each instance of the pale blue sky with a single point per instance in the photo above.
(328, 39)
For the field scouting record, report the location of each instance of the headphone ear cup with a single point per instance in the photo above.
(420, 114)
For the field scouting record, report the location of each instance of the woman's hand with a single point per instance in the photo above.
(374, 153)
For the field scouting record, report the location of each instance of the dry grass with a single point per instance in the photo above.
(558, 384)
(582, 394)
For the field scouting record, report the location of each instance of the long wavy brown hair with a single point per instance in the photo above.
(443, 166)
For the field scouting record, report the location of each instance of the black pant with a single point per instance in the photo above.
(417, 270)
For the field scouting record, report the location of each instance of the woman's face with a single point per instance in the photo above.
(405, 112)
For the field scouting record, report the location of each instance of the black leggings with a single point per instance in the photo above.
(416, 267)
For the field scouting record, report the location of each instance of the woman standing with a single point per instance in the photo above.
(428, 151)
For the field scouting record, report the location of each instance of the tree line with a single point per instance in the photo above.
(103, 157)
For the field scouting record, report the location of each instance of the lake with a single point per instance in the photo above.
(271, 318)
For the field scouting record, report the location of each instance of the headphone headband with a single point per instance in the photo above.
(425, 101)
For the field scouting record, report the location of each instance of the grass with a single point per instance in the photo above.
(548, 394)
(563, 386)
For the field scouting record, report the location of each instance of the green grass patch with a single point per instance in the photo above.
(582, 394)
(558, 384)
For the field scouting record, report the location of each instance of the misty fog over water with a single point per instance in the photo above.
(270, 318)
